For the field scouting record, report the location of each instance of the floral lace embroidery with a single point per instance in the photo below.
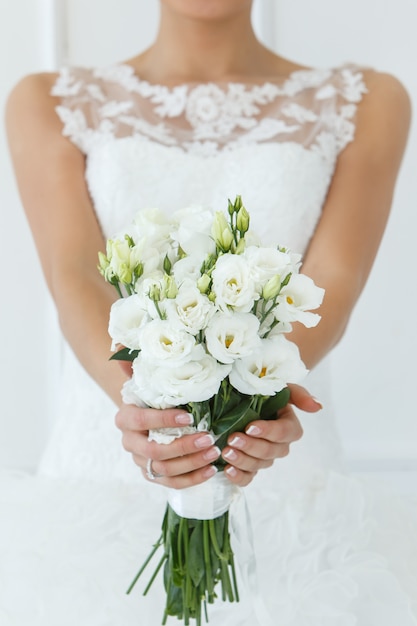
(208, 117)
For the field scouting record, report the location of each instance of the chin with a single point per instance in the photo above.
(208, 9)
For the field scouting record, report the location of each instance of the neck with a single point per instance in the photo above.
(188, 49)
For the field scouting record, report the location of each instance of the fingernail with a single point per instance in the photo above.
(253, 430)
(185, 419)
(212, 454)
(237, 442)
(231, 471)
(230, 455)
(318, 402)
(210, 471)
(204, 442)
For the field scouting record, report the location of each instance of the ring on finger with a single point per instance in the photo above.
(149, 471)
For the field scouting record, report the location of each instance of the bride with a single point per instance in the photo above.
(205, 113)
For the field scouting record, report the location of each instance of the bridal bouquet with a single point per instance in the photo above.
(203, 313)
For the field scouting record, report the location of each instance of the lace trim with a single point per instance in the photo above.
(209, 117)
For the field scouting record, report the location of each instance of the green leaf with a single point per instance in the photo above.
(174, 600)
(235, 421)
(196, 555)
(124, 354)
(274, 404)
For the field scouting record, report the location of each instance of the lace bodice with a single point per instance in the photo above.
(275, 143)
(150, 145)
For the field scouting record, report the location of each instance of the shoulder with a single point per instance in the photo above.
(386, 92)
(33, 88)
(30, 101)
(384, 114)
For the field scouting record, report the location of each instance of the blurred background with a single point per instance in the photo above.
(374, 367)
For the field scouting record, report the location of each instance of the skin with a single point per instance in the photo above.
(50, 175)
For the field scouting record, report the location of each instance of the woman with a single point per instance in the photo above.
(312, 157)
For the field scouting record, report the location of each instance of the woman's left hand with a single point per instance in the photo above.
(264, 441)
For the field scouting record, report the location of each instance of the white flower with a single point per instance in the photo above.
(230, 337)
(164, 387)
(232, 284)
(192, 230)
(163, 344)
(297, 298)
(128, 317)
(268, 370)
(151, 227)
(190, 310)
(266, 263)
(188, 268)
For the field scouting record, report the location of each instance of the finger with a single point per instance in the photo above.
(286, 429)
(131, 417)
(138, 444)
(248, 463)
(181, 465)
(184, 480)
(303, 400)
(238, 477)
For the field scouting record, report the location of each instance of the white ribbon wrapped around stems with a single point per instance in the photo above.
(205, 501)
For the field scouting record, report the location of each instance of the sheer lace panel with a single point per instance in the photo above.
(314, 108)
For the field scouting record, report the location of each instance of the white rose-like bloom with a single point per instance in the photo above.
(165, 345)
(233, 285)
(188, 268)
(151, 228)
(265, 263)
(165, 387)
(151, 259)
(190, 310)
(128, 316)
(192, 230)
(297, 299)
(268, 370)
(230, 337)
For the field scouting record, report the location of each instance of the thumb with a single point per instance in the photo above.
(303, 400)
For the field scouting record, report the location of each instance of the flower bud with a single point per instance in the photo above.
(167, 265)
(170, 287)
(203, 283)
(272, 288)
(222, 233)
(242, 220)
(125, 274)
(238, 203)
(103, 263)
(240, 248)
(155, 292)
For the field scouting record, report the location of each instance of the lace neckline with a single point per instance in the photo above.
(126, 75)
(278, 81)
(309, 106)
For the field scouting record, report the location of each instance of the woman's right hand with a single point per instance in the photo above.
(185, 462)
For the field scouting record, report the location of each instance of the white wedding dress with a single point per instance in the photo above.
(330, 550)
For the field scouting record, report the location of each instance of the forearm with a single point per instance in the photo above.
(83, 303)
(340, 298)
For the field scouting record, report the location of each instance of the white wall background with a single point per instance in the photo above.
(374, 366)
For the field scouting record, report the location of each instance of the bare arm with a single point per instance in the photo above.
(50, 176)
(343, 248)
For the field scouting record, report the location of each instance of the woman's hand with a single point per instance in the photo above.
(188, 460)
(264, 441)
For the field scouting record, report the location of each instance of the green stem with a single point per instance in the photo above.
(154, 575)
(207, 560)
(135, 580)
(119, 291)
